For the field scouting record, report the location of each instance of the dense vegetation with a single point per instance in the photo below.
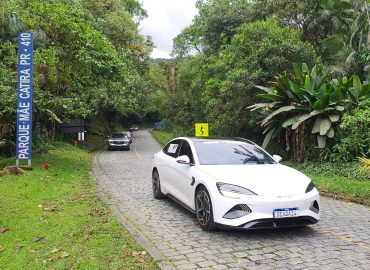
(292, 73)
(89, 60)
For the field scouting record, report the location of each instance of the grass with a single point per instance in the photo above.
(53, 219)
(341, 181)
(163, 137)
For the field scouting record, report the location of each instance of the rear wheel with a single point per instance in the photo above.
(203, 209)
(156, 185)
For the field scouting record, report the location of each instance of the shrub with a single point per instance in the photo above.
(354, 140)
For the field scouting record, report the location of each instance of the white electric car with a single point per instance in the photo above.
(233, 183)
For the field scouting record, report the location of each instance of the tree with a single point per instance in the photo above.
(89, 57)
(257, 52)
(215, 25)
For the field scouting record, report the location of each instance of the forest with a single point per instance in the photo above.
(292, 75)
(90, 62)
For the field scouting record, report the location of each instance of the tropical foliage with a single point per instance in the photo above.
(305, 102)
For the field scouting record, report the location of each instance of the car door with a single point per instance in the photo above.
(183, 186)
(167, 164)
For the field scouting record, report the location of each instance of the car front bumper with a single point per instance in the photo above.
(119, 145)
(259, 212)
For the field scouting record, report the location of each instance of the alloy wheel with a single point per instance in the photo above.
(203, 206)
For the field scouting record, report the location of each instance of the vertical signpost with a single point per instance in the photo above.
(24, 98)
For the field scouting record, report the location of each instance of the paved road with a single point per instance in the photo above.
(341, 240)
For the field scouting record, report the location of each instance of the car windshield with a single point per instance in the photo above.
(118, 135)
(228, 152)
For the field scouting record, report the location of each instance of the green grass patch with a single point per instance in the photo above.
(163, 137)
(53, 219)
(343, 181)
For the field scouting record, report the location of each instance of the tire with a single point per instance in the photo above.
(109, 149)
(203, 209)
(156, 185)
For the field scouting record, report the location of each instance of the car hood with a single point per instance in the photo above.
(263, 179)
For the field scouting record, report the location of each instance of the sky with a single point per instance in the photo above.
(166, 19)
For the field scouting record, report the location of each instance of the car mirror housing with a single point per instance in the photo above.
(277, 158)
(184, 159)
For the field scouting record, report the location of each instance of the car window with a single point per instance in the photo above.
(172, 148)
(224, 152)
(186, 150)
(118, 135)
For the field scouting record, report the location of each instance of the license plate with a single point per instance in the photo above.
(285, 212)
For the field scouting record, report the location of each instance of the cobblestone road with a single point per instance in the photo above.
(341, 240)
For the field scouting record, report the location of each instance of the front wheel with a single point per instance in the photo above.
(203, 209)
(156, 185)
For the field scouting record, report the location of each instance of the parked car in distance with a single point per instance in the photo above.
(233, 183)
(118, 140)
(135, 127)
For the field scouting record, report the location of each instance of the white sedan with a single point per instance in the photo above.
(233, 183)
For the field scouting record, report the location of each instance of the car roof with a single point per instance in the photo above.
(120, 133)
(200, 139)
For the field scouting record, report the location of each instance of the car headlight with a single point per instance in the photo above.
(310, 187)
(232, 191)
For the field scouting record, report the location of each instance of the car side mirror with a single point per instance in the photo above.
(184, 159)
(277, 158)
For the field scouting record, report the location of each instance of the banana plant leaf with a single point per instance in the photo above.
(268, 138)
(334, 117)
(339, 108)
(297, 71)
(280, 110)
(266, 89)
(296, 90)
(321, 141)
(316, 125)
(325, 125)
(290, 121)
(271, 97)
(330, 133)
(318, 105)
(301, 120)
(307, 84)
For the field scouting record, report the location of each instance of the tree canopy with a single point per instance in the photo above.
(88, 57)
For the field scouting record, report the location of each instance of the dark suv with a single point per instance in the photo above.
(118, 140)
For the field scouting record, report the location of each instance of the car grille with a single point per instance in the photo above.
(279, 223)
